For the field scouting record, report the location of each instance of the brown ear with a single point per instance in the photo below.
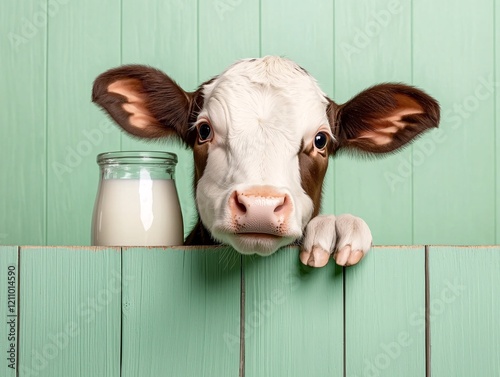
(383, 118)
(145, 102)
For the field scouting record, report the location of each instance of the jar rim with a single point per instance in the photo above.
(137, 157)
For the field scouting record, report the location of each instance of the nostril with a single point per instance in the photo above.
(238, 202)
(280, 207)
(241, 207)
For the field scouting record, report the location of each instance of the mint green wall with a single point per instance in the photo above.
(201, 312)
(442, 190)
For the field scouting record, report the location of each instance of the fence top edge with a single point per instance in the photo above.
(223, 247)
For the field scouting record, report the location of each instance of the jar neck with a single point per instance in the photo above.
(137, 165)
(137, 171)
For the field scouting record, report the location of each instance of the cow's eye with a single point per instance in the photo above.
(204, 131)
(320, 140)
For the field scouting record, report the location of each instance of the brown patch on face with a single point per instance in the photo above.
(200, 150)
(331, 112)
(313, 165)
(200, 154)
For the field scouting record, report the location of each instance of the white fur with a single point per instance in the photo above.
(261, 112)
(343, 236)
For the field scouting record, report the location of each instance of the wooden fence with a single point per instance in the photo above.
(404, 311)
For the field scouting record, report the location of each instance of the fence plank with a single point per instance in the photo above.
(181, 312)
(446, 169)
(293, 317)
(464, 310)
(23, 80)
(373, 45)
(181, 307)
(385, 314)
(69, 312)
(77, 131)
(309, 44)
(150, 33)
(9, 320)
(227, 31)
(497, 119)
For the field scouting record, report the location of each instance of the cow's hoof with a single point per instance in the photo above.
(347, 257)
(315, 258)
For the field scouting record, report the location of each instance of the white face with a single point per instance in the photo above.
(263, 114)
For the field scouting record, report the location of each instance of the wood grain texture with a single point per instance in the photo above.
(455, 182)
(464, 310)
(385, 313)
(176, 311)
(83, 42)
(310, 44)
(70, 305)
(181, 312)
(23, 155)
(373, 45)
(293, 317)
(151, 35)
(497, 118)
(227, 31)
(9, 304)
(444, 189)
(448, 60)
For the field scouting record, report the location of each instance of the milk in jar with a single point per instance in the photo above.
(137, 202)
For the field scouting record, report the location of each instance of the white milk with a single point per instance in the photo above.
(133, 212)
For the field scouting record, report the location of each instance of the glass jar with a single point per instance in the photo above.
(137, 202)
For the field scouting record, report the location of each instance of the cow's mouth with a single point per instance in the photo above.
(260, 235)
(258, 243)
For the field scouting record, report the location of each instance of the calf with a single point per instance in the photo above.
(261, 135)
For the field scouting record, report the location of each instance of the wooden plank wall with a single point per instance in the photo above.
(497, 118)
(9, 310)
(198, 304)
(293, 318)
(69, 311)
(87, 311)
(75, 131)
(382, 299)
(374, 187)
(23, 124)
(442, 190)
(466, 146)
(464, 309)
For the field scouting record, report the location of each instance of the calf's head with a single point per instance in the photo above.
(261, 135)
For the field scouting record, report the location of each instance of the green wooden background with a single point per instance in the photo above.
(442, 190)
(111, 312)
